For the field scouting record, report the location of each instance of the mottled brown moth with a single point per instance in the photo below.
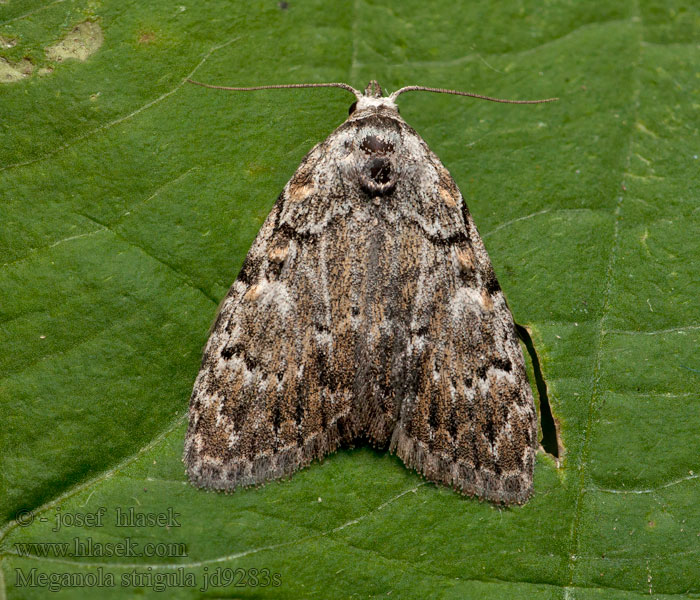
(366, 309)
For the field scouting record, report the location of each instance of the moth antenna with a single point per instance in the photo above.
(344, 86)
(420, 88)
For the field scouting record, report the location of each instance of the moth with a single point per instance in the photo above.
(367, 309)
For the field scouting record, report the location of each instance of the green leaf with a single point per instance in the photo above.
(129, 200)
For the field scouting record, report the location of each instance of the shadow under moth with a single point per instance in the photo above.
(367, 309)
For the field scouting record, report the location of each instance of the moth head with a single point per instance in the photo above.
(373, 100)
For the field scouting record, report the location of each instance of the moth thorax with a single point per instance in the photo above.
(377, 175)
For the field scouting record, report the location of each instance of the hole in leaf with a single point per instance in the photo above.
(550, 432)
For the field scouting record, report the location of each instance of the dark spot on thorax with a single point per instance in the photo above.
(371, 144)
(380, 170)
